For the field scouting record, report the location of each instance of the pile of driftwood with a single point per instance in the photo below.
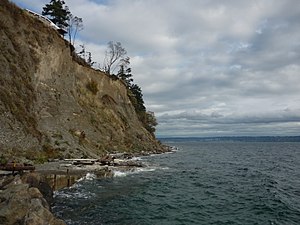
(109, 160)
(119, 160)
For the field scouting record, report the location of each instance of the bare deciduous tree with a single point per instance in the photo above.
(75, 24)
(115, 56)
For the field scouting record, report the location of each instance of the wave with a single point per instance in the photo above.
(125, 172)
(77, 193)
(118, 173)
(88, 176)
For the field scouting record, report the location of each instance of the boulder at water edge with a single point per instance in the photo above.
(22, 204)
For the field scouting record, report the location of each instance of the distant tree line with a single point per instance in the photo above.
(115, 58)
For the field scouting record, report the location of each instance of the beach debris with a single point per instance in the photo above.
(82, 161)
(16, 167)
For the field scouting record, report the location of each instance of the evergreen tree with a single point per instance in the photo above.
(147, 118)
(150, 122)
(85, 55)
(58, 13)
(137, 93)
(125, 75)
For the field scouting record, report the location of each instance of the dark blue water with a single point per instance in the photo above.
(218, 182)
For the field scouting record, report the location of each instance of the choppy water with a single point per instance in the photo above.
(218, 182)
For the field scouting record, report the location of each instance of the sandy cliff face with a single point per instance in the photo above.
(50, 104)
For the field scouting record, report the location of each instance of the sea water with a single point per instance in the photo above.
(204, 182)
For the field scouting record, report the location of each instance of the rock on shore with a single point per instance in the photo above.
(21, 202)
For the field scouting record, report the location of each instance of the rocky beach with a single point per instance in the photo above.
(26, 197)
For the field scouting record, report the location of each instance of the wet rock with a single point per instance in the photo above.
(40, 215)
(35, 180)
(22, 204)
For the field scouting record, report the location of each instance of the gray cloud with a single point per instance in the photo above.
(206, 68)
(216, 124)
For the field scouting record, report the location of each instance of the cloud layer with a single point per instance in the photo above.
(206, 68)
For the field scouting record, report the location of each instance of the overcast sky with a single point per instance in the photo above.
(206, 67)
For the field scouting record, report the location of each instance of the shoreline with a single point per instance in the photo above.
(64, 173)
(34, 190)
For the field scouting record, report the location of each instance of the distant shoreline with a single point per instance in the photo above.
(236, 138)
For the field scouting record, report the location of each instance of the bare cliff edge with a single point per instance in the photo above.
(48, 103)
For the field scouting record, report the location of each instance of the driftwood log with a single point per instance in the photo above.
(17, 167)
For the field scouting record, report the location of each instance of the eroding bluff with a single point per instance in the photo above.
(52, 105)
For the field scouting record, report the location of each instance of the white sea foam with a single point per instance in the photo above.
(120, 173)
(90, 176)
(144, 169)
(124, 173)
(136, 158)
(61, 194)
(75, 195)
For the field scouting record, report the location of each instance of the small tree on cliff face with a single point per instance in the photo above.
(150, 122)
(147, 118)
(138, 97)
(58, 13)
(115, 56)
(85, 55)
(125, 75)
